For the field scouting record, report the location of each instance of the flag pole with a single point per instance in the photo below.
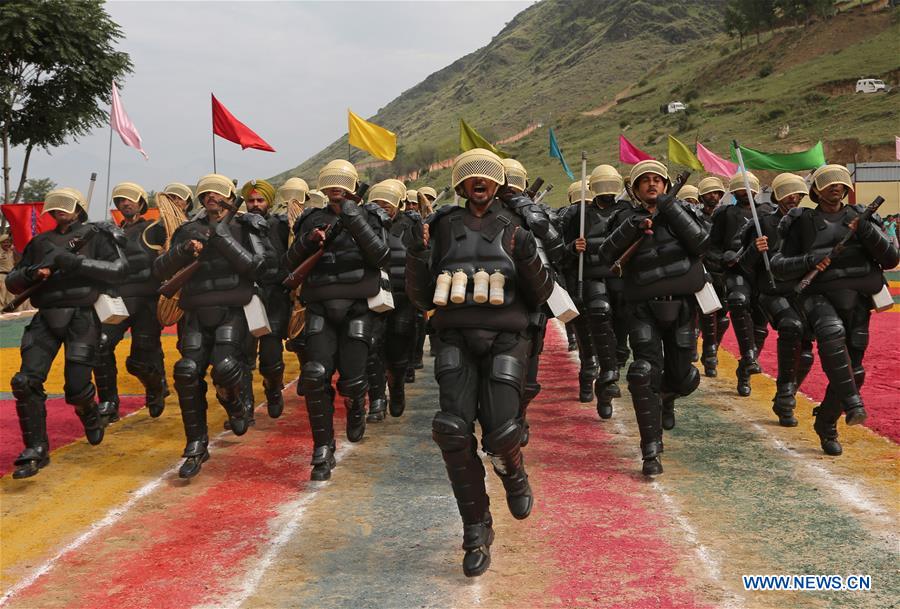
(743, 169)
(108, 167)
(212, 99)
(579, 287)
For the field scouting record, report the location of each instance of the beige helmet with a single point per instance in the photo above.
(293, 188)
(648, 166)
(606, 180)
(428, 191)
(131, 191)
(389, 192)
(179, 190)
(65, 199)
(217, 183)
(480, 163)
(710, 184)
(574, 193)
(737, 182)
(826, 175)
(689, 192)
(338, 174)
(411, 195)
(786, 184)
(516, 175)
(317, 199)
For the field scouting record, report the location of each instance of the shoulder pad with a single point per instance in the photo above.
(306, 213)
(785, 225)
(441, 212)
(113, 230)
(379, 213)
(721, 209)
(254, 221)
(413, 215)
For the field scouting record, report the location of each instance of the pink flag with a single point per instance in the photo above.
(629, 153)
(119, 121)
(715, 164)
(897, 147)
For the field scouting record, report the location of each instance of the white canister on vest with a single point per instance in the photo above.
(442, 289)
(481, 286)
(458, 287)
(497, 282)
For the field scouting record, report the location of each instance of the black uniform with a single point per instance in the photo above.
(714, 325)
(747, 319)
(65, 317)
(144, 239)
(277, 301)
(214, 328)
(601, 329)
(339, 325)
(838, 303)
(660, 282)
(482, 358)
(794, 347)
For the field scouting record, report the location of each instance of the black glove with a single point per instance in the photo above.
(729, 257)
(67, 261)
(349, 208)
(519, 242)
(414, 238)
(664, 200)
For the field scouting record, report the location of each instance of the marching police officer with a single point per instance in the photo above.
(230, 254)
(339, 325)
(838, 302)
(144, 239)
(661, 277)
(710, 191)
(73, 263)
(484, 342)
(747, 319)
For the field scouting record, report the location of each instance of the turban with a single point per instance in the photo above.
(260, 186)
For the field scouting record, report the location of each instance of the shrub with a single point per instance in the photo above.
(765, 70)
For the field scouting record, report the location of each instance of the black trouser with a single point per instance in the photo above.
(76, 328)
(619, 320)
(794, 349)
(421, 333)
(145, 360)
(661, 333)
(400, 338)
(531, 388)
(271, 346)
(214, 336)
(376, 367)
(338, 336)
(747, 319)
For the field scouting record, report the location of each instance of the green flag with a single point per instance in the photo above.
(681, 154)
(795, 161)
(469, 139)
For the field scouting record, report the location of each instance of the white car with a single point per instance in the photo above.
(675, 106)
(870, 85)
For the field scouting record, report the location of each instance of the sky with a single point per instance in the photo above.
(288, 70)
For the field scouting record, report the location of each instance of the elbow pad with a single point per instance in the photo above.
(620, 239)
(419, 281)
(790, 267)
(372, 245)
(878, 246)
(20, 279)
(102, 270)
(244, 262)
(690, 231)
(535, 279)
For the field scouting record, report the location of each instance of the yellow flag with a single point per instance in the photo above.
(681, 154)
(377, 141)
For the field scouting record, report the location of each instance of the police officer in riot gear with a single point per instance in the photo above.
(144, 239)
(339, 324)
(747, 319)
(604, 328)
(710, 191)
(71, 283)
(794, 347)
(660, 280)
(483, 344)
(259, 197)
(838, 302)
(231, 254)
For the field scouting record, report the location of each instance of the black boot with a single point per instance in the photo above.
(842, 383)
(156, 397)
(397, 388)
(273, 384)
(744, 332)
(153, 377)
(590, 365)
(477, 540)
(784, 402)
(320, 407)
(89, 413)
(504, 445)
(196, 453)
(825, 425)
(109, 411)
(377, 409)
(605, 387)
(106, 378)
(668, 410)
(647, 411)
(605, 391)
(192, 403)
(32, 412)
(230, 380)
(356, 418)
(323, 462)
(743, 376)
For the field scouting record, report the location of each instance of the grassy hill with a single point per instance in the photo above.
(594, 69)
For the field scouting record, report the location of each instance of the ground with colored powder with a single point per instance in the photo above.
(740, 495)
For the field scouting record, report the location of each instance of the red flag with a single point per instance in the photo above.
(233, 130)
(631, 154)
(25, 221)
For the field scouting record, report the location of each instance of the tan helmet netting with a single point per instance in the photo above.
(317, 199)
(338, 174)
(387, 191)
(826, 175)
(606, 180)
(710, 184)
(478, 163)
(129, 190)
(516, 175)
(574, 192)
(428, 191)
(689, 192)
(786, 184)
(648, 167)
(411, 195)
(64, 199)
(179, 190)
(292, 189)
(217, 183)
(737, 182)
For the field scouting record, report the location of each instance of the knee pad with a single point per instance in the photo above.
(360, 329)
(790, 328)
(24, 387)
(81, 353)
(829, 328)
(277, 368)
(313, 323)
(639, 373)
(312, 376)
(354, 388)
(80, 396)
(104, 347)
(450, 432)
(686, 336)
(737, 300)
(509, 370)
(448, 359)
(228, 335)
(186, 371)
(597, 307)
(227, 372)
(503, 439)
(688, 384)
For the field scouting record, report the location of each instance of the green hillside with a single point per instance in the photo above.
(594, 69)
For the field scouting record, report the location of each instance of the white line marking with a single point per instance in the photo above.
(112, 516)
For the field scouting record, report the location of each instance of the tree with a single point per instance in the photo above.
(736, 22)
(57, 65)
(35, 189)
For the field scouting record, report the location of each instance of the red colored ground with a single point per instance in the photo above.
(882, 384)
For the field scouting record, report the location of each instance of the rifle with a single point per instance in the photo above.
(841, 245)
(535, 187)
(628, 254)
(179, 279)
(75, 246)
(543, 193)
(299, 274)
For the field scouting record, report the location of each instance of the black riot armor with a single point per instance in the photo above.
(65, 317)
(837, 305)
(714, 325)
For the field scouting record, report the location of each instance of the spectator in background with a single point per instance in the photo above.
(890, 226)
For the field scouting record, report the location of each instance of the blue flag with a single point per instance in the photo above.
(556, 153)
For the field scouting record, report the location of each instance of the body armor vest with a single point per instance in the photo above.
(597, 223)
(278, 234)
(852, 268)
(397, 264)
(139, 237)
(215, 282)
